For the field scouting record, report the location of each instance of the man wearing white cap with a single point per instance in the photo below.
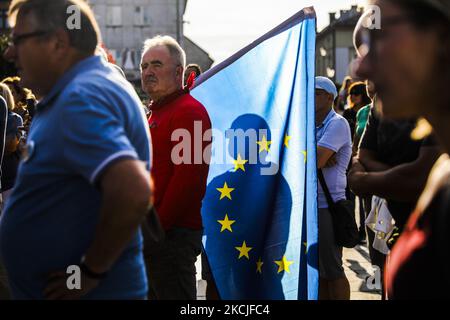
(334, 149)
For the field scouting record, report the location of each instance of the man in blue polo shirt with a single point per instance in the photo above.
(334, 149)
(83, 187)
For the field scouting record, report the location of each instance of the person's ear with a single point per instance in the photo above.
(179, 71)
(330, 98)
(62, 41)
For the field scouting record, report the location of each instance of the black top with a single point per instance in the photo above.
(10, 165)
(350, 116)
(419, 266)
(392, 143)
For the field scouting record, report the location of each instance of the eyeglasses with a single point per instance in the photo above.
(17, 39)
(369, 37)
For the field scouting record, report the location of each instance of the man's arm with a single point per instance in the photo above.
(323, 156)
(188, 181)
(183, 189)
(402, 183)
(126, 198)
(369, 161)
(337, 134)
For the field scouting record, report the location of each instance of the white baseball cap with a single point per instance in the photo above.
(327, 85)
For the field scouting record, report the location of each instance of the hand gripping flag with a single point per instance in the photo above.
(260, 207)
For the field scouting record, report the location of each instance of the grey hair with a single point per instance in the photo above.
(170, 43)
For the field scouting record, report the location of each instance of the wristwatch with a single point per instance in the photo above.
(89, 273)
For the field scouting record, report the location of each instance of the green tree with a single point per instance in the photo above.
(6, 68)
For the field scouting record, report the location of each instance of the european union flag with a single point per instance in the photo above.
(260, 207)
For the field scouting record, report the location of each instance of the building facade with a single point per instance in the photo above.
(334, 46)
(125, 24)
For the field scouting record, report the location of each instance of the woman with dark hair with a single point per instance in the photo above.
(409, 62)
(343, 94)
(357, 99)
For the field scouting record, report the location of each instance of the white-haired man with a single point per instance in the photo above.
(179, 187)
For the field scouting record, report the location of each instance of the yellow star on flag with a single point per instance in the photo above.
(243, 251)
(283, 264)
(226, 223)
(239, 163)
(306, 247)
(264, 145)
(225, 191)
(259, 264)
(286, 140)
(304, 155)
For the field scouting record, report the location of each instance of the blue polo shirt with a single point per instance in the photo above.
(334, 134)
(91, 118)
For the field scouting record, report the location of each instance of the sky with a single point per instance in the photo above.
(222, 27)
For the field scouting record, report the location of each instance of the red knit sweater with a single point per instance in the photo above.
(179, 188)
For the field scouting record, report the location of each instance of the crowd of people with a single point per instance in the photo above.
(86, 163)
(94, 161)
(20, 104)
(399, 168)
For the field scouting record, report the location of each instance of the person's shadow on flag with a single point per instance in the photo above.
(246, 216)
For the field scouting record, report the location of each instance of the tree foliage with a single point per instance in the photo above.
(6, 68)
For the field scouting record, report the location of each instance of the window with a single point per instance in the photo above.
(138, 16)
(114, 16)
(141, 16)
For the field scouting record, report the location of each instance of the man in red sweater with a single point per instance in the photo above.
(178, 123)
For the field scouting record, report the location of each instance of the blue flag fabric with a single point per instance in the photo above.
(260, 207)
